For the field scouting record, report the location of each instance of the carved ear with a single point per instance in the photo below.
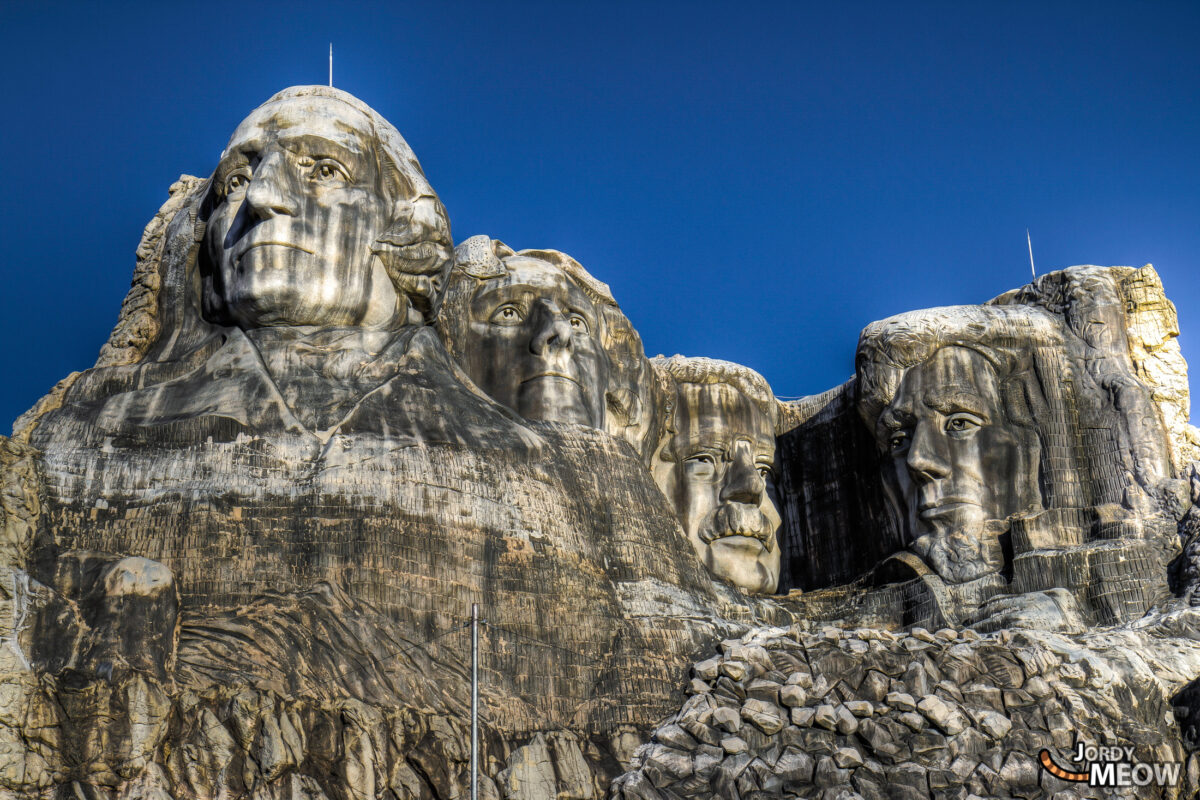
(415, 251)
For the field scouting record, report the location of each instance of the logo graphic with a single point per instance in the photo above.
(1112, 766)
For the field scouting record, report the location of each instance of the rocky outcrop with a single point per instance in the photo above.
(948, 714)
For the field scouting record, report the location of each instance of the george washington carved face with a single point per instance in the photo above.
(299, 200)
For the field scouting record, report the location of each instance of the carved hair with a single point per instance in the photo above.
(630, 398)
(415, 248)
(682, 369)
(1005, 337)
(481, 258)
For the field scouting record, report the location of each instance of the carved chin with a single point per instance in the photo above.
(963, 555)
(744, 562)
(554, 398)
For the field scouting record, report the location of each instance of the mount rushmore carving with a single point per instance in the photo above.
(239, 550)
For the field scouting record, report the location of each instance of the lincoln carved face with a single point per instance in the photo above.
(299, 200)
(715, 468)
(533, 343)
(956, 460)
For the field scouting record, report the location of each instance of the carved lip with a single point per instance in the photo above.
(551, 374)
(253, 245)
(943, 506)
(761, 537)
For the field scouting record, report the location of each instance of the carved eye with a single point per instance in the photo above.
(507, 314)
(765, 472)
(579, 324)
(701, 465)
(898, 441)
(236, 182)
(963, 424)
(327, 170)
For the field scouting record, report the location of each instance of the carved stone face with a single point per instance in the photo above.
(300, 202)
(715, 470)
(533, 344)
(956, 460)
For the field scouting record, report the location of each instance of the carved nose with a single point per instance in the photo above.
(554, 333)
(924, 461)
(268, 194)
(743, 484)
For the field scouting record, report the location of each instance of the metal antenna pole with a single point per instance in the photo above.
(474, 701)
(1029, 241)
(331, 65)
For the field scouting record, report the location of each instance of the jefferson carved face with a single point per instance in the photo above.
(299, 202)
(715, 470)
(533, 344)
(956, 460)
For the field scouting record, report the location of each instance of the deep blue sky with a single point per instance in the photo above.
(756, 181)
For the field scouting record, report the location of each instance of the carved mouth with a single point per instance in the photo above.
(250, 247)
(944, 506)
(760, 537)
(738, 520)
(550, 374)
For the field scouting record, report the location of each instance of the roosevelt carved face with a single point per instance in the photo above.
(533, 344)
(715, 470)
(299, 202)
(957, 462)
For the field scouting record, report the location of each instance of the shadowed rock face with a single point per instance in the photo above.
(531, 336)
(957, 461)
(714, 463)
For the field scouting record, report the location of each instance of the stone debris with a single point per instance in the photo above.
(925, 736)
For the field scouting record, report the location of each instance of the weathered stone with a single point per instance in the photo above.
(708, 669)
(993, 724)
(793, 696)
(795, 766)
(727, 718)
(233, 553)
(803, 717)
(529, 774)
(828, 775)
(676, 737)
(847, 757)
(874, 686)
(846, 722)
(802, 679)
(764, 689)
(735, 670)
(768, 717)
(734, 745)
(860, 708)
(666, 765)
(826, 716)
(942, 714)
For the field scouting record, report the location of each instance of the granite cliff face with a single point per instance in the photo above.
(240, 551)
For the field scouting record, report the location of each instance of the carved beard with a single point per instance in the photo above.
(737, 519)
(960, 556)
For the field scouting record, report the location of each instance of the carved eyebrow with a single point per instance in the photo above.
(488, 298)
(956, 400)
(896, 418)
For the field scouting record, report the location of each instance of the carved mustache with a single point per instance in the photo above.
(738, 519)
